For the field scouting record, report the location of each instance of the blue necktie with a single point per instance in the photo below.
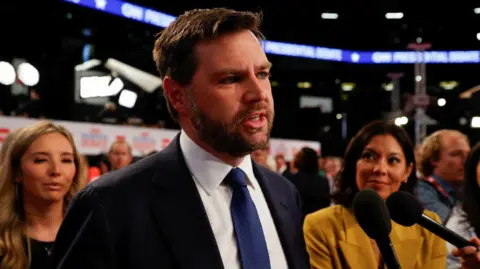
(248, 229)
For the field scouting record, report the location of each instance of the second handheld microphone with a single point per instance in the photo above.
(407, 211)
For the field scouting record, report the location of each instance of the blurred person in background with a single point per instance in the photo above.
(111, 114)
(321, 165)
(201, 202)
(313, 188)
(442, 163)
(94, 171)
(465, 217)
(380, 157)
(120, 155)
(271, 161)
(332, 168)
(292, 169)
(40, 172)
(280, 163)
(104, 164)
(98, 165)
(34, 108)
(261, 157)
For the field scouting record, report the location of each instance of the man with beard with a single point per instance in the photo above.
(201, 202)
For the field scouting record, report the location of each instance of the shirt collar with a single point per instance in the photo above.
(208, 170)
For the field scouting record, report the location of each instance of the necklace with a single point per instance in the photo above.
(48, 250)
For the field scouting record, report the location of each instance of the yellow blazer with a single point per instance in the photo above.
(335, 240)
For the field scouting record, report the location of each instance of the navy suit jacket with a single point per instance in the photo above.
(150, 215)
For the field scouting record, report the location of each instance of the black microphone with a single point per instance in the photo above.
(372, 215)
(406, 210)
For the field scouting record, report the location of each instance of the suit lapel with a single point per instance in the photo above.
(178, 208)
(274, 193)
(279, 210)
(406, 244)
(356, 247)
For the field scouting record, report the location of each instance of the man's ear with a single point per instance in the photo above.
(176, 95)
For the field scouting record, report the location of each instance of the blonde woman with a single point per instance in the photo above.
(40, 171)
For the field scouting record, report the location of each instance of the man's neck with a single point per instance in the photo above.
(439, 177)
(228, 159)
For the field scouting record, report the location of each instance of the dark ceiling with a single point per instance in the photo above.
(361, 24)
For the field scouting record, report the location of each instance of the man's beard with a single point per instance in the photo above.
(227, 138)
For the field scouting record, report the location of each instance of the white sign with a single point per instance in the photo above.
(94, 139)
(325, 104)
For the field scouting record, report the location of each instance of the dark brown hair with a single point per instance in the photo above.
(471, 199)
(306, 160)
(346, 179)
(174, 47)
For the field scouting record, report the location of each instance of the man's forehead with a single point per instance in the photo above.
(120, 146)
(454, 141)
(223, 49)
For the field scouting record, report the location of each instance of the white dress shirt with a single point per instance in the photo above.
(457, 223)
(208, 173)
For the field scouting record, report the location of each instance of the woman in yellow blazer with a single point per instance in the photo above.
(380, 157)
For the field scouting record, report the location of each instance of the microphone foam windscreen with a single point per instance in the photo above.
(372, 214)
(404, 208)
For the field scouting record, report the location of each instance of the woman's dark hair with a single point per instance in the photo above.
(306, 160)
(471, 199)
(346, 180)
